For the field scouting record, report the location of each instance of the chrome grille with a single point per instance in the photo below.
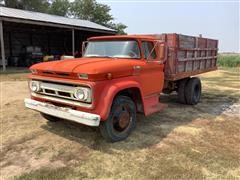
(63, 93)
(58, 90)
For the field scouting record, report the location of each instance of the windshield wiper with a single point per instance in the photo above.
(100, 56)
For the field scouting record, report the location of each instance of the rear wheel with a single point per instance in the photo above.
(121, 120)
(181, 90)
(193, 91)
(49, 117)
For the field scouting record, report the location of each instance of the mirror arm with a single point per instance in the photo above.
(84, 47)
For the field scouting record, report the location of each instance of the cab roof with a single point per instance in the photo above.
(119, 37)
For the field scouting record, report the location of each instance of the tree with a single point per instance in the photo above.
(31, 5)
(13, 4)
(59, 7)
(119, 27)
(95, 12)
(92, 11)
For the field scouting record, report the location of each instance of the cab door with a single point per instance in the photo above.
(152, 75)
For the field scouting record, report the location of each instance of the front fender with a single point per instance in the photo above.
(110, 91)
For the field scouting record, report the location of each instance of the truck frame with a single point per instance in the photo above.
(120, 76)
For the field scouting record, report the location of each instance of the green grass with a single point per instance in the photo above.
(229, 60)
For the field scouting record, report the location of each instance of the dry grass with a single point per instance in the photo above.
(14, 77)
(182, 142)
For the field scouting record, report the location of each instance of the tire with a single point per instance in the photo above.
(121, 120)
(193, 91)
(50, 118)
(181, 90)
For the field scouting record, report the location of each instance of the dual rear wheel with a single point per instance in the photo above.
(189, 90)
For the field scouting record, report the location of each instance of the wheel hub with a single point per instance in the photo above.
(124, 119)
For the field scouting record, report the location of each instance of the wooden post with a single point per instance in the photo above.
(2, 46)
(73, 42)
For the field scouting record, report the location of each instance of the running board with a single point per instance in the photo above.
(152, 105)
(156, 108)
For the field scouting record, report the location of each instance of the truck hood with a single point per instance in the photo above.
(95, 68)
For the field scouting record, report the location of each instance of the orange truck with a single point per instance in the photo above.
(120, 76)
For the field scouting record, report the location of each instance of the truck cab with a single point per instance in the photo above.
(117, 77)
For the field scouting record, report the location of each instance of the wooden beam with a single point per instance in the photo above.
(48, 44)
(2, 46)
(10, 44)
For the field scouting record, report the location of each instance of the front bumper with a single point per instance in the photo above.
(62, 112)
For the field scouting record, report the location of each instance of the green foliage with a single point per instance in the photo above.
(95, 12)
(229, 60)
(119, 27)
(59, 7)
(83, 9)
(31, 5)
(92, 11)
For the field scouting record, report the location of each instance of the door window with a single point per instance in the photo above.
(148, 50)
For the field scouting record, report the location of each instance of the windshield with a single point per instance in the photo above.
(115, 49)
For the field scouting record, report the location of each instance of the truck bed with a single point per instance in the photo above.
(188, 55)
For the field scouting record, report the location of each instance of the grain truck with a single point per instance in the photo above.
(120, 76)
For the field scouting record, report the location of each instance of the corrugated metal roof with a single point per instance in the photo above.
(36, 16)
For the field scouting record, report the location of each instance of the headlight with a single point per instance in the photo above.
(34, 86)
(83, 94)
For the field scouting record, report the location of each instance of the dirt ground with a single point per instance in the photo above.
(181, 142)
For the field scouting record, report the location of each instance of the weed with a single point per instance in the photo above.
(229, 60)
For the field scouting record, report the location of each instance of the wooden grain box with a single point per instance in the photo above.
(188, 55)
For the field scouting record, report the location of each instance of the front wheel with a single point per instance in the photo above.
(121, 120)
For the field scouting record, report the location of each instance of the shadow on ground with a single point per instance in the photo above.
(150, 130)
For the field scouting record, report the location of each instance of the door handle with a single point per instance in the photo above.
(136, 70)
(136, 67)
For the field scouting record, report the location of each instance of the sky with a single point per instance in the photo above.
(212, 19)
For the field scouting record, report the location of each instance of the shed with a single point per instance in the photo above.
(22, 31)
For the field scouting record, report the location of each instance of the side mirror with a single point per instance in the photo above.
(162, 51)
(84, 45)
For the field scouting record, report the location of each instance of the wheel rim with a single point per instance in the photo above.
(122, 118)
